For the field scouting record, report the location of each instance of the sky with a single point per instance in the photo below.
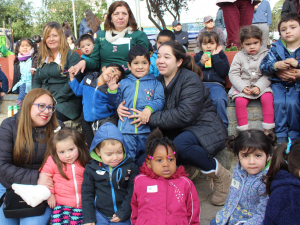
(197, 9)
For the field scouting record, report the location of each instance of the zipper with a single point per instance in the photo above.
(134, 102)
(75, 183)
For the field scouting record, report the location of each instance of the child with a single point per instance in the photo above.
(96, 107)
(246, 202)
(141, 91)
(25, 65)
(248, 82)
(108, 179)
(71, 41)
(4, 84)
(283, 58)
(214, 76)
(68, 155)
(283, 185)
(163, 36)
(162, 193)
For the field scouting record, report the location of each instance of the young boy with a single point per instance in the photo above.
(96, 107)
(282, 63)
(142, 92)
(108, 179)
(163, 36)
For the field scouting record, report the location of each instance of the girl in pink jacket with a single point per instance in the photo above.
(162, 193)
(66, 158)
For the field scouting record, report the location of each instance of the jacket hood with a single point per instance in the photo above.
(180, 172)
(280, 42)
(147, 77)
(285, 178)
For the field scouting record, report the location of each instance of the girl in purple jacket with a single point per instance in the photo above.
(162, 193)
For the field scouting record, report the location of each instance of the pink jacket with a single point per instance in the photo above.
(161, 201)
(66, 192)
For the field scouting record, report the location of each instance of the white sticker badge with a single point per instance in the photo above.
(100, 172)
(152, 189)
(235, 184)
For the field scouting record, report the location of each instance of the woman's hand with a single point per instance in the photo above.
(46, 180)
(247, 91)
(137, 116)
(115, 219)
(79, 66)
(255, 90)
(123, 111)
(288, 75)
(51, 201)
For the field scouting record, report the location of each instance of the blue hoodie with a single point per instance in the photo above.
(146, 92)
(153, 68)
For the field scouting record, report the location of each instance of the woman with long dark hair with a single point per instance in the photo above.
(89, 22)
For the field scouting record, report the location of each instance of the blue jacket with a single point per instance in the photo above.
(94, 99)
(104, 188)
(4, 82)
(83, 28)
(138, 94)
(284, 203)
(263, 13)
(153, 68)
(278, 52)
(245, 199)
(218, 71)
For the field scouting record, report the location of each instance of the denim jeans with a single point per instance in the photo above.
(35, 220)
(103, 220)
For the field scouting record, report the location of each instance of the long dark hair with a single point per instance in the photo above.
(30, 42)
(92, 21)
(283, 161)
(188, 61)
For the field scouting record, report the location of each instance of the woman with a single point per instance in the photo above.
(112, 44)
(66, 29)
(290, 6)
(23, 142)
(189, 118)
(54, 60)
(90, 22)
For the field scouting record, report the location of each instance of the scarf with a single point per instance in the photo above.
(177, 32)
(25, 56)
(109, 34)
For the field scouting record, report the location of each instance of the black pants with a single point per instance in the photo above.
(87, 130)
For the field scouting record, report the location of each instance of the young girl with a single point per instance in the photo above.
(162, 193)
(68, 155)
(246, 202)
(71, 41)
(214, 76)
(283, 185)
(25, 65)
(248, 82)
(108, 179)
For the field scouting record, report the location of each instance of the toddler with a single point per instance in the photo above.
(162, 193)
(248, 82)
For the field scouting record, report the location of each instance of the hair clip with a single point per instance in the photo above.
(288, 147)
(57, 129)
(150, 157)
(174, 153)
(168, 156)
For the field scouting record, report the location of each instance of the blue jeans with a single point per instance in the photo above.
(219, 98)
(103, 220)
(287, 111)
(35, 220)
(135, 144)
(22, 92)
(213, 222)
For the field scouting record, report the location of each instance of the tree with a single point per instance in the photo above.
(276, 16)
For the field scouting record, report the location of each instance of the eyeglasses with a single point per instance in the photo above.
(42, 107)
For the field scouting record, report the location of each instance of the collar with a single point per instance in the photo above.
(57, 60)
(111, 38)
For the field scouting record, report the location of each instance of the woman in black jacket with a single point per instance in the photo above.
(23, 142)
(189, 117)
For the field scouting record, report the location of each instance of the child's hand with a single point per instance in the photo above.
(247, 91)
(51, 201)
(112, 83)
(2, 94)
(32, 72)
(115, 219)
(255, 90)
(204, 58)
(72, 76)
(218, 50)
(282, 65)
(145, 115)
(293, 62)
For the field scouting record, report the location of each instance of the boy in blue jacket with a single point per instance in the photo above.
(284, 56)
(141, 91)
(163, 36)
(96, 107)
(4, 84)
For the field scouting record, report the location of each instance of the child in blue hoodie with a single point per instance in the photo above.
(108, 180)
(163, 36)
(141, 91)
(96, 107)
(284, 57)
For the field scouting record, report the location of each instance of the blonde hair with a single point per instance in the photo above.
(44, 50)
(24, 139)
(106, 142)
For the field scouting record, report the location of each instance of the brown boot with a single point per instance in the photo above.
(191, 171)
(221, 180)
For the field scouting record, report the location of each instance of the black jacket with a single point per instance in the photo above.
(182, 37)
(288, 7)
(189, 108)
(218, 71)
(9, 173)
(106, 190)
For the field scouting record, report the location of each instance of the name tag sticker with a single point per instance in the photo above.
(88, 81)
(235, 184)
(152, 189)
(100, 172)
